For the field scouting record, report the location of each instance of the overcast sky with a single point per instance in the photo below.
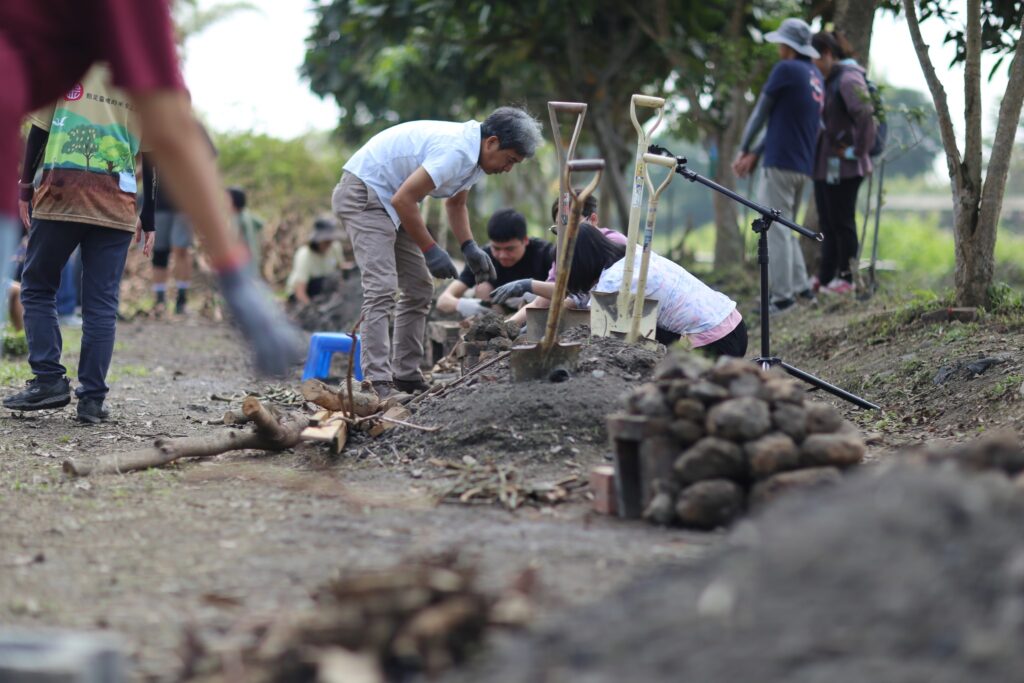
(243, 72)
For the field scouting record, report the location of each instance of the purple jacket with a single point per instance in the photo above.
(848, 121)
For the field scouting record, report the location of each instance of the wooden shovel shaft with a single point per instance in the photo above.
(565, 253)
(639, 178)
(564, 156)
(645, 259)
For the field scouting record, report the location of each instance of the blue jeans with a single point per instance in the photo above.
(70, 281)
(104, 251)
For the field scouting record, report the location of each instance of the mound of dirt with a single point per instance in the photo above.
(336, 308)
(910, 574)
(492, 418)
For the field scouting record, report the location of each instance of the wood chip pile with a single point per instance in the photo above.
(704, 442)
(422, 617)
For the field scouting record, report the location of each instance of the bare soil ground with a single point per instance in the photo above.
(206, 545)
(907, 575)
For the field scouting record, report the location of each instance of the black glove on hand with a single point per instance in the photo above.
(276, 343)
(479, 262)
(439, 263)
(510, 290)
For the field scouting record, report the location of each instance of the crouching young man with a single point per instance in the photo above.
(515, 257)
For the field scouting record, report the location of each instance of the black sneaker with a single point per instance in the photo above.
(781, 306)
(412, 386)
(41, 395)
(808, 297)
(91, 410)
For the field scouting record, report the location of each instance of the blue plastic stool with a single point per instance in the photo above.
(323, 345)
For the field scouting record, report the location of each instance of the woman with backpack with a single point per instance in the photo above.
(842, 159)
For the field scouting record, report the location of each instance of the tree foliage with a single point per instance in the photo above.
(82, 140)
(453, 60)
(914, 140)
(114, 152)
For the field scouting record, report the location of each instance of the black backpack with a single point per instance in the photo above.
(878, 104)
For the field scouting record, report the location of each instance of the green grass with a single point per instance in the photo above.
(119, 372)
(1007, 385)
(15, 371)
(921, 250)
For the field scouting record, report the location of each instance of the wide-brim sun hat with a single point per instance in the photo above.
(325, 230)
(796, 34)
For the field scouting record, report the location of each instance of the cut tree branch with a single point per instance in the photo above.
(271, 435)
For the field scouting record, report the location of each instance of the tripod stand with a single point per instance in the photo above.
(761, 226)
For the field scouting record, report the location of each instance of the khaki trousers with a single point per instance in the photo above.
(395, 280)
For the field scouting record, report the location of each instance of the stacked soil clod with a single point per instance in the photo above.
(711, 440)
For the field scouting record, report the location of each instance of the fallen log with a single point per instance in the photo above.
(271, 435)
(319, 393)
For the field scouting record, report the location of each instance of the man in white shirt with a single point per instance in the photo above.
(378, 200)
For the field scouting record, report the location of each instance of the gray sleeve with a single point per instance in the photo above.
(757, 119)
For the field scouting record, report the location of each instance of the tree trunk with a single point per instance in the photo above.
(728, 239)
(614, 181)
(974, 241)
(975, 251)
(855, 18)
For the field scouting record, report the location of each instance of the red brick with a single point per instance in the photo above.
(602, 484)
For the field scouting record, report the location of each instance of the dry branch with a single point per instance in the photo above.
(271, 435)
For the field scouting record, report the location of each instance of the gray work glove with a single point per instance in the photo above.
(276, 344)
(516, 288)
(479, 262)
(467, 308)
(439, 263)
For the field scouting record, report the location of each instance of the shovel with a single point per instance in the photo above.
(650, 322)
(610, 315)
(550, 359)
(565, 154)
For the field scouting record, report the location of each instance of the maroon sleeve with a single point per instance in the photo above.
(854, 91)
(137, 39)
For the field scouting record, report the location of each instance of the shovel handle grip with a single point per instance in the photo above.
(568, 107)
(659, 160)
(585, 165)
(648, 101)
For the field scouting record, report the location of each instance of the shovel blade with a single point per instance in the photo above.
(537, 320)
(607, 321)
(529, 361)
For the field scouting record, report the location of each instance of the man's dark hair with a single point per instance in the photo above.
(589, 207)
(593, 253)
(506, 225)
(237, 197)
(514, 128)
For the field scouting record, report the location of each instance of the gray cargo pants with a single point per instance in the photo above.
(787, 272)
(395, 279)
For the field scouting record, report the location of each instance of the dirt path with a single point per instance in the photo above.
(207, 545)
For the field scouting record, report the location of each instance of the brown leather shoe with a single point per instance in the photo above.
(412, 386)
(388, 392)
